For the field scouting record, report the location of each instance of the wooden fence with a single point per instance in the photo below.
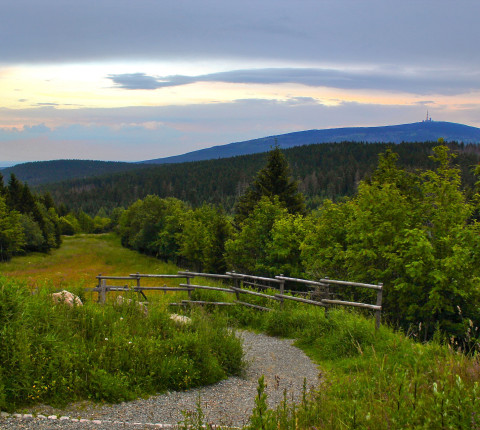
(320, 293)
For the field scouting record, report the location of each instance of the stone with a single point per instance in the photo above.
(67, 298)
(181, 319)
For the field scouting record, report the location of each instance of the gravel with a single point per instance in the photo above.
(227, 403)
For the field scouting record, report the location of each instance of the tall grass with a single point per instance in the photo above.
(56, 354)
(375, 379)
(370, 379)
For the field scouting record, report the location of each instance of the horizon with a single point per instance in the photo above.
(5, 163)
(150, 80)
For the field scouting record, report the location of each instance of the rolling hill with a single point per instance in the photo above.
(415, 132)
(46, 172)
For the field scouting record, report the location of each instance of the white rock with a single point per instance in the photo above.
(180, 319)
(66, 297)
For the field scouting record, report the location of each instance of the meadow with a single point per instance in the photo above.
(370, 379)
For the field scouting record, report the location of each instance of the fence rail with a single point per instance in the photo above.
(239, 281)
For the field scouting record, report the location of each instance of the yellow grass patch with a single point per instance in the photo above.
(80, 259)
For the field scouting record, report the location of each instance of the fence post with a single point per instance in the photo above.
(235, 284)
(282, 291)
(139, 290)
(378, 313)
(103, 291)
(327, 293)
(189, 291)
(99, 286)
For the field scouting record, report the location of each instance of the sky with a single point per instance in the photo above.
(135, 80)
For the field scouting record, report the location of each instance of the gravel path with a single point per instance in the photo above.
(228, 402)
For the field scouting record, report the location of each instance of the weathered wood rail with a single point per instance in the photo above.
(244, 284)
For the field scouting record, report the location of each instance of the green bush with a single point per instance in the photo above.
(56, 354)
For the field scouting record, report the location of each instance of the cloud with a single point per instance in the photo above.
(308, 31)
(135, 81)
(447, 82)
(147, 132)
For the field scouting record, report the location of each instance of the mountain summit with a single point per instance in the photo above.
(415, 132)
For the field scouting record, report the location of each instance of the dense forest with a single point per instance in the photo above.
(45, 172)
(414, 231)
(32, 222)
(28, 222)
(330, 170)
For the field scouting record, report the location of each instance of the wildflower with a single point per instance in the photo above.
(106, 338)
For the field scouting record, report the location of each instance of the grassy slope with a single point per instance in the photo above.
(79, 260)
(53, 354)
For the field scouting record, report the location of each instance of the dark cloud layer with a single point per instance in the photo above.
(428, 32)
(420, 82)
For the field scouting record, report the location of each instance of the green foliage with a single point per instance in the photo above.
(32, 232)
(272, 181)
(85, 221)
(152, 226)
(369, 379)
(247, 252)
(261, 418)
(56, 354)
(101, 224)
(11, 232)
(69, 225)
(413, 233)
(323, 249)
(202, 240)
(39, 223)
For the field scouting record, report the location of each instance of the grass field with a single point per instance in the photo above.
(79, 260)
(55, 354)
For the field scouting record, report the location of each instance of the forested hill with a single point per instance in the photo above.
(416, 132)
(44, 172)
(328, 170)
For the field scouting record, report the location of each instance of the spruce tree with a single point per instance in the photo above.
(272, 180)
(14, 195)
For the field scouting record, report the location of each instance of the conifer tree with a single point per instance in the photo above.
(3, 189)
(14, 195)
(272, 180)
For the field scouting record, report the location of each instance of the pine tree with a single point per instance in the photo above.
(3, 189)
(14, 195)
(272, 180)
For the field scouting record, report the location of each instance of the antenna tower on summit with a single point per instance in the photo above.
(428, 118)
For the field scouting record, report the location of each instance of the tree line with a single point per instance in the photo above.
(28, 222)
(414, 231)
(31, 222)
(328, 170)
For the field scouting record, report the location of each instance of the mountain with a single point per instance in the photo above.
(44, 172)
(415, 132)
